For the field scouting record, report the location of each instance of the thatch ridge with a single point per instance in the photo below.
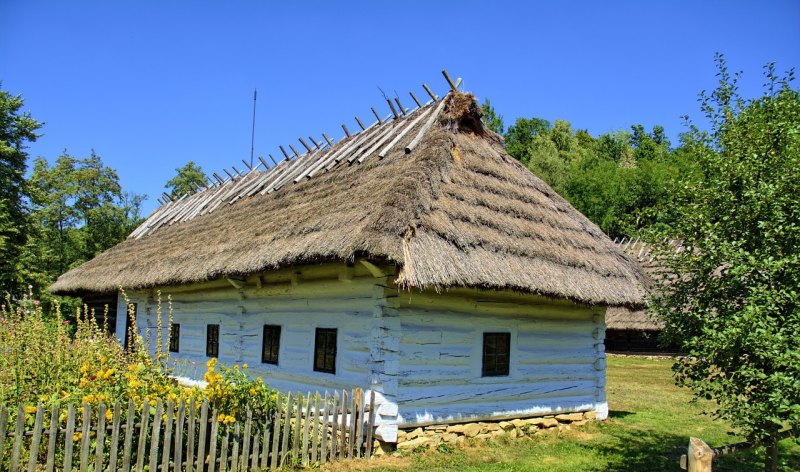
(456, 211)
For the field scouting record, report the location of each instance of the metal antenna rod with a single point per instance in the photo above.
(253, 134)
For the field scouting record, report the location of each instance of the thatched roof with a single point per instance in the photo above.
(445, 203)
(624, 318)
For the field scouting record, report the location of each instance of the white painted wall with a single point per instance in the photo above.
(556, 350)
(421, 352)
(299, 307)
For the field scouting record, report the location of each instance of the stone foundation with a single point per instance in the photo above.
(433, 435)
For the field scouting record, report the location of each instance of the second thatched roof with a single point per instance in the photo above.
(433, 192)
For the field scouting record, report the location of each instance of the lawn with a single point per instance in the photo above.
(648, 429)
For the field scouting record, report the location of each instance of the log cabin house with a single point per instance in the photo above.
(415, 258)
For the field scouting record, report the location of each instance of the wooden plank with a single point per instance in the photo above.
(144, 422)
(212, 453)
(177, 460)
(255, 449)
(113, 452)
(359, 420)
(343, 426)
(276, 432)
(287, 416)
(201, 438)
(167, 435)
(410, 147)
(370, 423)
(315, 429)
(402, 133)
(68, 440)
(37, 438)
(223, 453)
(323, 448)
(298, 420)
(248, 424)
(351, 420)
(371, 147)
(100, 441)
(306, 426)
(86, 428)
(3, 426)
(235, 450)
(127, 446)
(19, 434)
(155, 435)
(430, 92)
(265, 446)
(190, 432)
(335, 427)
(51, 438)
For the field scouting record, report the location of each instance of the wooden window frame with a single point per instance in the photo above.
(175, 338)
(212, 341)
(324, 353)
(270, 344)
(495, 363)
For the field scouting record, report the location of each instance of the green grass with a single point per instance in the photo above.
(649, 428)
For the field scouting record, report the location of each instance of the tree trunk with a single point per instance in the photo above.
(771, 456)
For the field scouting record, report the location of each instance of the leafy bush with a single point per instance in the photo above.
(48, 360)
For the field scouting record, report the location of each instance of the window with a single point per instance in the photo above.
(270, 344)
(174, 337)
(325, 350)
(212, 340)
(496, 353)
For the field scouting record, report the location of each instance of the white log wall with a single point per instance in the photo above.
(329, 296)
(557, 358)
(421, 351)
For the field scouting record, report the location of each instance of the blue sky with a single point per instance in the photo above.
(151, 85)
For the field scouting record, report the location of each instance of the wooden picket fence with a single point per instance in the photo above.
(304, 430)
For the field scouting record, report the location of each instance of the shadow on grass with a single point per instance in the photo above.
(638, 450)
(620, 413)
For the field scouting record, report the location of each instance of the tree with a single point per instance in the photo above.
(79, 210)
(493, 121)
(16, 129)
(189, 177)
(733, 305)
(520, 136)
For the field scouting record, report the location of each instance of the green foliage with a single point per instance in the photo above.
(493, 121)
(520, 135)
(189, 177)
(78, 210)
(16, 129)
(619, 180)
(734, 307)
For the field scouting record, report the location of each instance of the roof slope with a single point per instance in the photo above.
(444, 202)
(652, 271)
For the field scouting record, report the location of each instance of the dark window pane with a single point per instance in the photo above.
(325, 350)
(174, 338)
(212, 340)
(496, 354)
(271, 344)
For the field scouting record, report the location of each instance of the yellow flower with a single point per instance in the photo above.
(212, 362)
(258, 379)
(244, 366)
(30, 409)
(109, 415)
(132, 368)
(77, 436)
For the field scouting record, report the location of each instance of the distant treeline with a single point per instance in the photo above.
(621, 181)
